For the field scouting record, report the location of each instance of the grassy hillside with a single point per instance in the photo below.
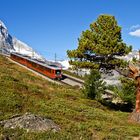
(80, 119)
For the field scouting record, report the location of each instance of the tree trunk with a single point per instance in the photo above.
(137, 100)
(135, 116)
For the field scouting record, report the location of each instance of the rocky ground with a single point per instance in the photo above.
(30, 122)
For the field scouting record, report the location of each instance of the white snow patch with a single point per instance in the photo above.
(2, 25)
(130, 56)
(65, 64)
(23, 48)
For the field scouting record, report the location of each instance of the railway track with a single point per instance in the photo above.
(72, 81)
(66, 79)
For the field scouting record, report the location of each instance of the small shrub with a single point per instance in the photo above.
(94, 86)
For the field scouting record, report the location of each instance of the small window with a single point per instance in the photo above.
(58, 72)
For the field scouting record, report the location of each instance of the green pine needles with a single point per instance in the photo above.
(99, 45)
(94, 86)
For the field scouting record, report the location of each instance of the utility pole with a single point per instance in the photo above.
(55, 57)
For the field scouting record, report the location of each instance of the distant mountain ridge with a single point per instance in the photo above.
(12, 44)
(129, 57)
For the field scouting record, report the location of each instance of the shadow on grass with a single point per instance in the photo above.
(127, 107)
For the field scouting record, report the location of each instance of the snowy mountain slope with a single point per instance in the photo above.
(23, 48)
(65, 64)
(12, 44)
(131, 55)
(6, 41)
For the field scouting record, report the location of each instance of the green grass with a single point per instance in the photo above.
(80, 119)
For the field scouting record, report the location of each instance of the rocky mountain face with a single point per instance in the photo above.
(11, 44)
(6, 41)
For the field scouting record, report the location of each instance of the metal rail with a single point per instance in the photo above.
(72, 81)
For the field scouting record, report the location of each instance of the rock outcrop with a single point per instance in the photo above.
(30, 122)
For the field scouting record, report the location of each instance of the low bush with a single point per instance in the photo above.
(94, 86)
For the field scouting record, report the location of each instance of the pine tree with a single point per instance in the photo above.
(94, 87)
(99, 45)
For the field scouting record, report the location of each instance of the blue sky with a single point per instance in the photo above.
(53, 26)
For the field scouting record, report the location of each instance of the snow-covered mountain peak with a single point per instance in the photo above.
(12, 44)
(6, 43)
(2, 25)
